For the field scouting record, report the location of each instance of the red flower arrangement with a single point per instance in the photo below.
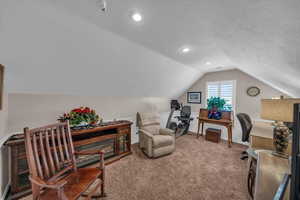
(81, 116)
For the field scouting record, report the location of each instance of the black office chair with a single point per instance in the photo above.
(246, 125)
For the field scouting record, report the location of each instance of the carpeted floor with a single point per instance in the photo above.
(197, 170)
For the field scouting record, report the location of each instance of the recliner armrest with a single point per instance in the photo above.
(146, 133)
(166, 131)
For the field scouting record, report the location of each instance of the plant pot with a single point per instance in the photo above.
(215, 115)
(214, 109)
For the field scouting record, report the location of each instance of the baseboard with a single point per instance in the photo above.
(5, 193)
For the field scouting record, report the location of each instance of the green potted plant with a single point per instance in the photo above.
(214, 106)
(215, 103)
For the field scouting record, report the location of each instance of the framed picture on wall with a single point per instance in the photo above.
(1, 85)
(194, 97)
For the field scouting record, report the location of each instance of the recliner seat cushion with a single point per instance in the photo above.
(162, 140)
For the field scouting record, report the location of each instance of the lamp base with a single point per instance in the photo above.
(280, 139)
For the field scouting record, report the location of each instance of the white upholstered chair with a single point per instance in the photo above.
(154, 140)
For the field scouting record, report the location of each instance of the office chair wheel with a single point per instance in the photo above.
(244, 152)
(244, 157)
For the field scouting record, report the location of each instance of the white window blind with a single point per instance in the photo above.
(222, 89)
(213, 90)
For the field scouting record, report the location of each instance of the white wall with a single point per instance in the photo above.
(3, 116)
(35, 110)
(244, 103)
(4, 169)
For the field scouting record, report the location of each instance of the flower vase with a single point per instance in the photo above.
(280, 139)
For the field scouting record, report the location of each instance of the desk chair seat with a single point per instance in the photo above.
(76, 184)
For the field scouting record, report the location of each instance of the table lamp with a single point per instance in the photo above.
(280, 111)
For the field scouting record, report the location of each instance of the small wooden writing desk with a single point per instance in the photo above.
(224, 121)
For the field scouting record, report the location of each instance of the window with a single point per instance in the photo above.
(222, 89)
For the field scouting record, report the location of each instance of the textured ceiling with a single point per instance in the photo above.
(259, 37)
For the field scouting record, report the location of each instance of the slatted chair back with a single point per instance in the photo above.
(50, 151)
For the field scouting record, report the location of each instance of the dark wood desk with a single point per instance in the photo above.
(224, 121)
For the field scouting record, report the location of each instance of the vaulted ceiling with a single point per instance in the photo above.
(48, 40)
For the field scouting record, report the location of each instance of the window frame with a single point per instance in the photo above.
(219, 83)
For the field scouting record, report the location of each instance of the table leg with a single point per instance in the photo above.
(202, 126)
(251, 176)
(198, 129)
(229, 131)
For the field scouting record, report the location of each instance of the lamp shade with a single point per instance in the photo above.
(278, 109)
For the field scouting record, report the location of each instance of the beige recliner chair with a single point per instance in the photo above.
(154, 141)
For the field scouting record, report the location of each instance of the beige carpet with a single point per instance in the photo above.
(197, 170)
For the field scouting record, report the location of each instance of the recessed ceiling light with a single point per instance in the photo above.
(137, 17)
(208, 63)
(185, 50)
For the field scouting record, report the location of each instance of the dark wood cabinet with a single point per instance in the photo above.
(213, 135)
(112, 137)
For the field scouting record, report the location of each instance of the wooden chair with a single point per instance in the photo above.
(52, 165)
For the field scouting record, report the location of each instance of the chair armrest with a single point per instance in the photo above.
(93, 152)
(89, 152)
(146, 133)
(146, 142)
(42, 183)
(166, 131)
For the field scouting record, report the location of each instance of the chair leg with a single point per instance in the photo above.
(102, 185)
(35, 192)
(61, 195)
(92, 194)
